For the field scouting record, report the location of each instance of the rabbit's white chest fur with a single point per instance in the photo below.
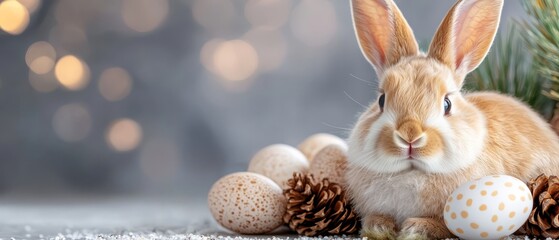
(396, 195)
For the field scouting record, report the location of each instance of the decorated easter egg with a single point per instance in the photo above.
(247, 203)
(330, 162)
(278, 162)
(313, 144)
(488, 208)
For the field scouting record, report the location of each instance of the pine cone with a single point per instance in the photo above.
(544, 218)
(318, 208)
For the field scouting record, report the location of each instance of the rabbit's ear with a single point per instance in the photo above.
(465, 35)
(383, 33)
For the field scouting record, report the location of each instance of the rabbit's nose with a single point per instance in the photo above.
(404, 142)
(410, 135)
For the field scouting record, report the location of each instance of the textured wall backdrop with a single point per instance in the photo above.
(165, 96)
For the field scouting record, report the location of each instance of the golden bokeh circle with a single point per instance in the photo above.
(72, 72)
(235, 60)
(14, 17)
(124, 135)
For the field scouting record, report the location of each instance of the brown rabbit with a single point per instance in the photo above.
(423, 138)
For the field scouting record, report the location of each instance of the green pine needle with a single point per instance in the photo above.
(508, 69)
(541, 33)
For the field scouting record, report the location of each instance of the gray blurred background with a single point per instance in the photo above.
(163, 97)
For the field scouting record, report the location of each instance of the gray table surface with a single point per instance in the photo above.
(95, 217)
(64, 217)
(122, 218)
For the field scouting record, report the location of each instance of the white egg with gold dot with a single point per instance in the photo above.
(488, 208)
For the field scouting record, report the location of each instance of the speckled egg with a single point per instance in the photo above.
(330, 162)
(313, 144)
(247, 203)
(278, 162)
(488, 208)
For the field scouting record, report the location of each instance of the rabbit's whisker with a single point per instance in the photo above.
(336, 127)
(352, 99)
(373, 84)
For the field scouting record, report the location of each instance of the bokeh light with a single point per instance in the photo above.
(235, 60)
(144, 15)
(43, 82)
(40, 57)
(42, 65)
(124, 135)
(14, 17)
(160, 159)
(31, 5)
(270, 46)
(115, 84)
(269, 14)
(207, 53)
(216, 16)
(72, 72)
(314, 22)
(71, 122)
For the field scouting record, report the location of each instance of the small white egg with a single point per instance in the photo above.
(330, 162)
(247, 203)
(313, 144)
(488, 208)
(278, 162)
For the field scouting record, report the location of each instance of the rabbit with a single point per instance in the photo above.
(423, 137)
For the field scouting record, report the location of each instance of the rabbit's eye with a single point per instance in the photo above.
(381, 102)
(447, 106)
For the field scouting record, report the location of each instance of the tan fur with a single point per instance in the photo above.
(433, 227)
(484, 134)
(410, 129)
(427, 89)
(369, 117)
(379, 227)
(453, 44)
(382, 45)
(435, 143)
(388, 146)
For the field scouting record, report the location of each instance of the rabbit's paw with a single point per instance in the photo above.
(378, 227)
(411, 235)
(378, 233)
(424, 228)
